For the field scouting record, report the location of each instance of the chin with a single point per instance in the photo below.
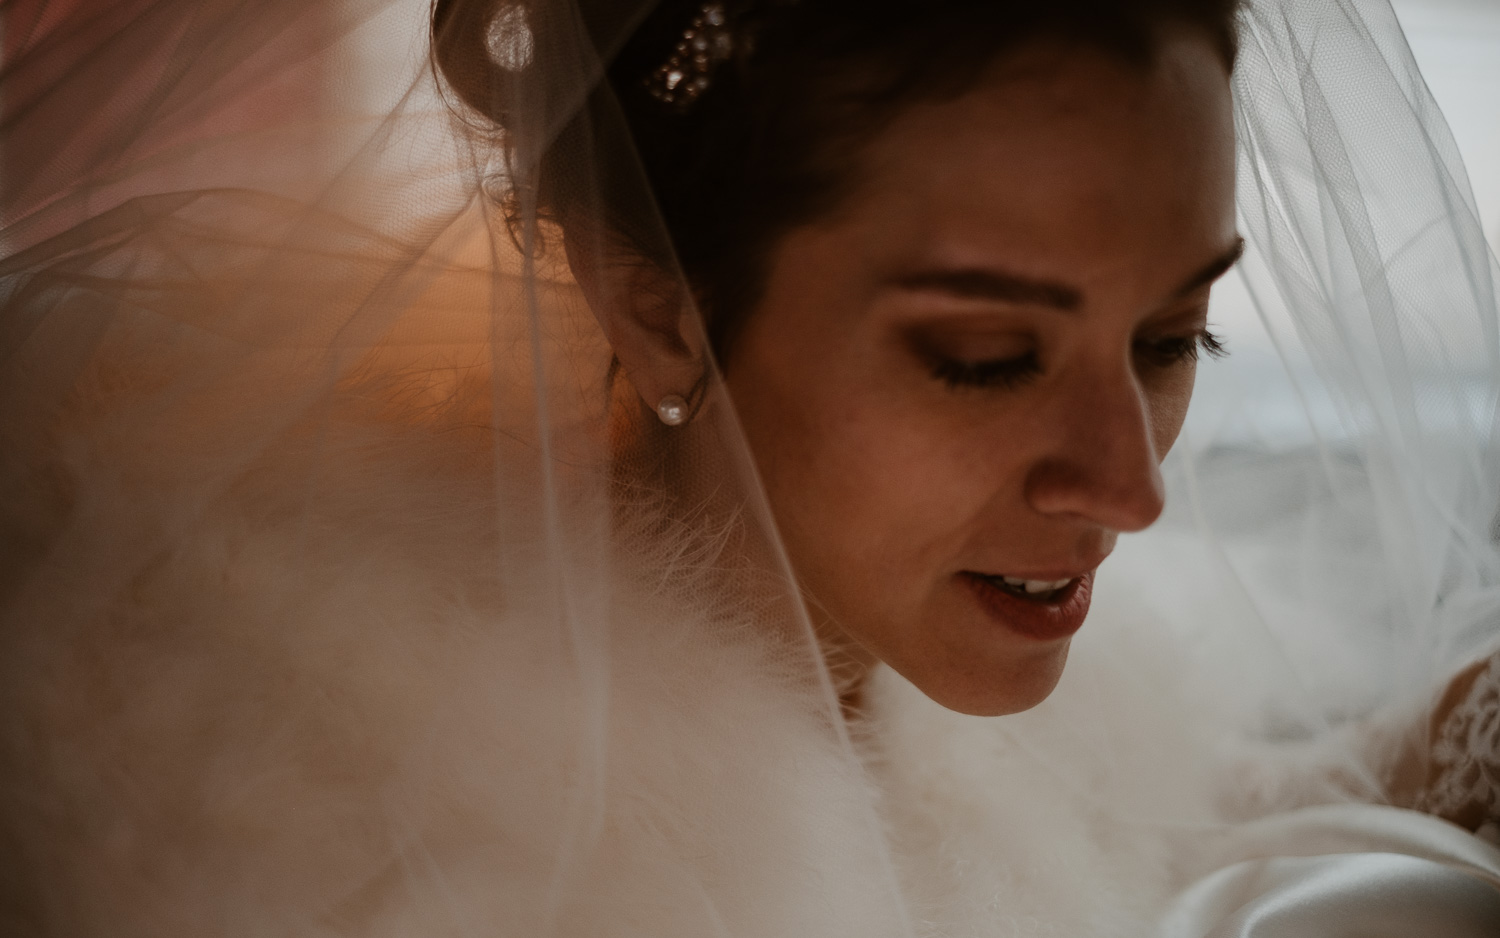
(994, 690)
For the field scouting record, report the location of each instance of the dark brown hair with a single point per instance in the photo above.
(770, 144)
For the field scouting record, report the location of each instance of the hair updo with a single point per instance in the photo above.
(769, 143)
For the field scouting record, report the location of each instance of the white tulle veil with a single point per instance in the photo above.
(264, 271)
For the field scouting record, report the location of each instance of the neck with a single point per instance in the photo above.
(708, 489)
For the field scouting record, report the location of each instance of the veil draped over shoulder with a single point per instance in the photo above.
(337, 598)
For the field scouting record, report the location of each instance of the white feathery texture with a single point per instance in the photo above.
(310, 704)
(321, 716)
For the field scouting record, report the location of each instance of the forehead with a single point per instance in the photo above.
(1062, 149)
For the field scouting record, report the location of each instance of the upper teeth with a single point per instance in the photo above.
(1036, 586)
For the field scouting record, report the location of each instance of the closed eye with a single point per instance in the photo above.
(994, 373)
(1172, 350)
(1014, 371)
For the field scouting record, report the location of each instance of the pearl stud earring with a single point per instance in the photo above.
(672, 410)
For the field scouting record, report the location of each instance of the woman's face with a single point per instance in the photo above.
(972, 371)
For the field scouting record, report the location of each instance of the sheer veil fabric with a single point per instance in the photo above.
(345, 590)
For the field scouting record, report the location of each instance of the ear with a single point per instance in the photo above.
(646, 313)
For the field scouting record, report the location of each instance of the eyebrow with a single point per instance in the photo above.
(999, 286)
(1213, 270)
(995, 286)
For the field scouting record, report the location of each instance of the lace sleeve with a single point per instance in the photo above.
(1464, 782)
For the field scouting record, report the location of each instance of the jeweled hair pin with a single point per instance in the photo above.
(707, 43)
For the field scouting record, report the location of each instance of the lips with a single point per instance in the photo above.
(1050, 613)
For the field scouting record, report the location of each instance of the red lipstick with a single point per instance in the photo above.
(1052, 619)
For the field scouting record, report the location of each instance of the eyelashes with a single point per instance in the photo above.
(1172, 350)
(1012, 372)
(997, 373)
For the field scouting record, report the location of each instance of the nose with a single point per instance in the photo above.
(1104, 467)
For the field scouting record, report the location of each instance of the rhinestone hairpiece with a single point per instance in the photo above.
(703, 46)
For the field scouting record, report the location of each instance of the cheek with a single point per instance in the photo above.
(857, 484)
(874, 478)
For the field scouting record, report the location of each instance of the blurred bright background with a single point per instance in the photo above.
(1457, 44)
(1319, 521)
(1250, 401)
